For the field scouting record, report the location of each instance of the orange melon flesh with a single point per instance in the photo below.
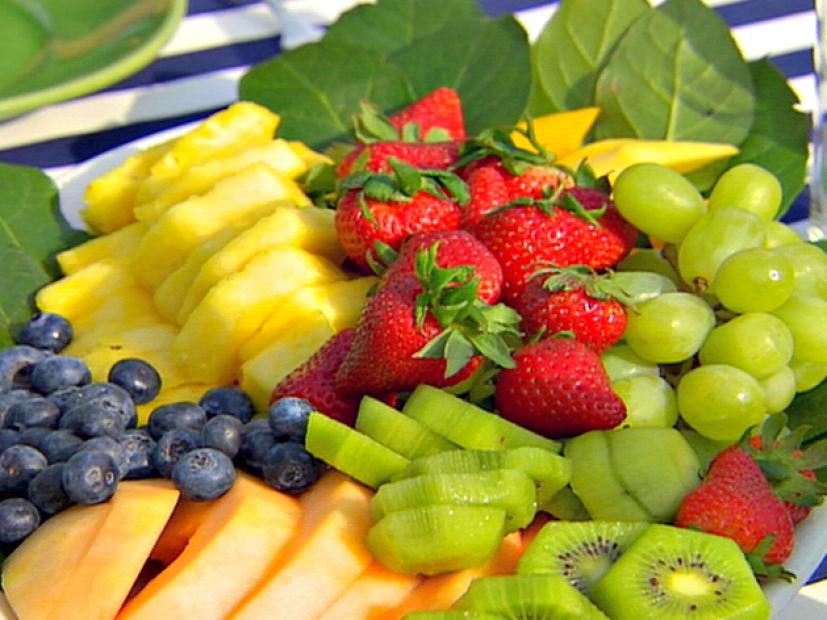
(233, 547)
(186, 519)
(376, 591)
(326, 559)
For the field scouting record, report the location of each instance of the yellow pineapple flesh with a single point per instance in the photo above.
(122, 242)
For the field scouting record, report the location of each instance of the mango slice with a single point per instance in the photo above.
(560, 132)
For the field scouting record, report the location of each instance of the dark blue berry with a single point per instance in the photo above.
(137, 377)
(222, 432)
(112, 447)
(10, 398)
(35, 411)
(172, 446)
(138, 446)
(64, 398)
(89, 421)
(228, 400)
(203, 474)
(18, 465)
(59, 445)
(90, 477)
(46, 490)
(59, 371)
(289, 468)
(183, 414)
(46, 330)
(16, 365)
(8, 437)
(256, 441)
(18, 519)
(33, 436)
(108, 396)
(288, 418)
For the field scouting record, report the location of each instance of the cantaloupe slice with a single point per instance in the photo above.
(376, 591)
(185, 521)
(6, 612)
(233, 547)
(326, 559)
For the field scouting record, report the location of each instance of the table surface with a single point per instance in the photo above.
(197, 72)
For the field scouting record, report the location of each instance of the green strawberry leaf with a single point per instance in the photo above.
(458, 350)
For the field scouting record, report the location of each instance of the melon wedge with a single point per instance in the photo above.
(233, 547)
(376, 591)
(188, 516)
(326, 559)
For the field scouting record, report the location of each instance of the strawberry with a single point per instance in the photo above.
(558, 388)
(612, 237)
(439, 113)
(374, 156)
(573, 299)
(487, 191)
(386, 208)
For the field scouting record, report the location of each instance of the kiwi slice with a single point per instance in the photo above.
(451, 614)
(351, 452)
(397, 431)
(436, 539)
(467, 425)
(675, 573)
(579, 551)
(509, 489)
(529, 597)
(565, 505)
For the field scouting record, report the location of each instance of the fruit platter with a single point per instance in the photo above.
(493, 340)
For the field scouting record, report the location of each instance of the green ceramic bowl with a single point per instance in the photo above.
(51, 50)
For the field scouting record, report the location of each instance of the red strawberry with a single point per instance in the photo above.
(612, 237)
(441, 109)
(573, 299)
(734, 499)
(487, 190)
(536, 181)
(558, 388)
(374, 156)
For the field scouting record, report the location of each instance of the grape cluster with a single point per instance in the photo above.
(745, 327)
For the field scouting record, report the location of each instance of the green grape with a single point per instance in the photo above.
(748, 187)
(779, 390)
(713, 238)
(649, 259)
(620, 362)
(807, 374)
(658, 201)
(777, 234)
(649, 400)
(809, 264)
(806, 317)
(754, 280)
(638, 286)
(720, 401)
(669, 328)
(756, 342)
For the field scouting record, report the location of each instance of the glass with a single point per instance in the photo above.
(817, 227)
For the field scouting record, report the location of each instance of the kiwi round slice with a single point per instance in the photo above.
(580, 551)
(674, 573)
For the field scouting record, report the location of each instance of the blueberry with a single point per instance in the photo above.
(182, 414)
(222, 432)
(64, 398)
(46, 330)
(16, 365)
(59, 445)
(10, 398)
(138, 446)
(35, 411)
(228, 400)
(33, 436)
(18, 519)
(203, 474)
(89, 421)
(137, 377)
(59, 371)
(256, 441)
(103, 395)
(289, 468)
(288, 418)
(46, 490)
(8, 437)
(112, 447)
(18, 465)
(90, 476)
(172, 446)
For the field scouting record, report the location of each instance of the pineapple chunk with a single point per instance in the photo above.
(310, 228)
(119, 243)
(308, 155)
(236, 308)
(201, 177)
(110, 198)
(127, 310)
(183, 227)
(339, 302)
(189, 392)
(262, 373)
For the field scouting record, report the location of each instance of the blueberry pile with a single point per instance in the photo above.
(65, 440)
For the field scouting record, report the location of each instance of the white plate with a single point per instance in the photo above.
(811, 535)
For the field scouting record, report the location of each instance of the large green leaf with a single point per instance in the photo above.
(573, 47)
(810, 408)
(676, 74)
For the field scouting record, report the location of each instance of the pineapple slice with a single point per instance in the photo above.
(238, 306)
(339, 302)
(201, 177)
(122, 242)
(127, 310)
(183, 227)
(308, 155)
(263, 372)
(310, 228)
(189, 392)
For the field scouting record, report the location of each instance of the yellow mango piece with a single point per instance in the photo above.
(339, 302)
(308, 155)
(559, 132)
(262, 373)
(122, 242)
(110, 198)
(183, 227)
(199, 178)
(310, 229)
(238, 306)
(190, 392)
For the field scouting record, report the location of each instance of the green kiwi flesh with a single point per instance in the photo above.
(565, 505)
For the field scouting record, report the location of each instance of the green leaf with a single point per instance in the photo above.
(458, 350)
(574, 46)
(676, 74)
(808, 408)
